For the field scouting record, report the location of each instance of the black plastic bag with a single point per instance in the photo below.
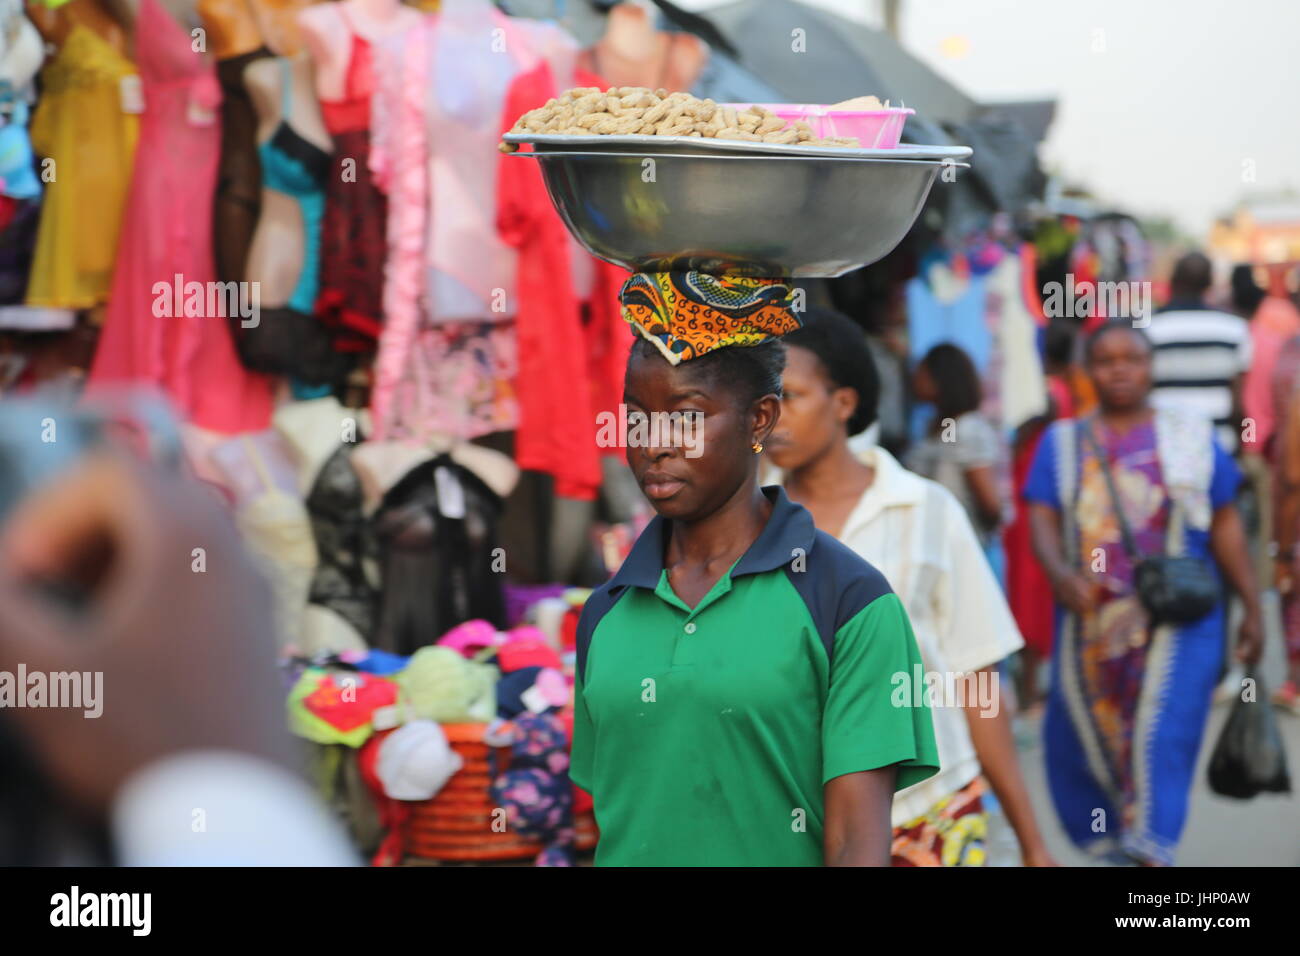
(1250, 757)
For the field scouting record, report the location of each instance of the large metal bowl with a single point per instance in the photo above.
(649, 145)
(734, 212)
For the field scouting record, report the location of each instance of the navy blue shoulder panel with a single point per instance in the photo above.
(835, 583)
(595, 608)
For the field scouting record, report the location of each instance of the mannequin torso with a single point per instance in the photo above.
(54, 25)
(633, 53)
(278, 22)
(232, 28)
(327, 32)
(278, 256)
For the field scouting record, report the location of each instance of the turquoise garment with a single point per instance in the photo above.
(302, 391)
(298, 168)
(17, 165)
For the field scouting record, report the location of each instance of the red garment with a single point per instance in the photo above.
(557, 353)
(1029, 283)
(347, 702)
(1028, 591)
(528, 652)
(166, 323)
(351, 111)
(393, 814)
(569, 628)
(354, 243)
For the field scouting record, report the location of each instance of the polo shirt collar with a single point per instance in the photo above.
(789, 531)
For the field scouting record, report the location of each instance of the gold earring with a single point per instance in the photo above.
(758, 448)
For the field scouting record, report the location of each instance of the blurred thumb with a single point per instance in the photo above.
(32, 630)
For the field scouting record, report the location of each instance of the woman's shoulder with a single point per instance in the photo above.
(1059, 429)
(835, 582)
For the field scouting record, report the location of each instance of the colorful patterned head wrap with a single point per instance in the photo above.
(686, 314)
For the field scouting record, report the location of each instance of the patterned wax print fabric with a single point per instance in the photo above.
(950, 833)
(687, 314)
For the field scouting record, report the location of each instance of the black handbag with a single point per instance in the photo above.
(1174, 589)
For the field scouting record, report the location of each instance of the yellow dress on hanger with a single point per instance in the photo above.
(82, 123)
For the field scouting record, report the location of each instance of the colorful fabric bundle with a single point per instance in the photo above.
(535, 790)
(441, 685)
(688, 314)
(950, 833)
(337, 708)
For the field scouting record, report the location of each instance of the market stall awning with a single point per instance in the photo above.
(839, 59)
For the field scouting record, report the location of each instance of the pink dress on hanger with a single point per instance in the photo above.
(147, 338)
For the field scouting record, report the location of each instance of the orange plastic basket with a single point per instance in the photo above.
(456, 825)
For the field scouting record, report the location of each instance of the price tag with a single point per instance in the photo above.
(451, 496)
(199, 115)
(535, 700)
(131, 92)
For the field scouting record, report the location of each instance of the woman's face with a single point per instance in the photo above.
(923, 386)
(1119, 365)
(814, 412)
(690, 472)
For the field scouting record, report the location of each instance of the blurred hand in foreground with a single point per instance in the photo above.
(186, 649)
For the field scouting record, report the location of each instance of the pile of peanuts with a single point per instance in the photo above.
(636, 110)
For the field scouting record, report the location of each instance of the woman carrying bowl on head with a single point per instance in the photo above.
(734, 701)
(1130, 696)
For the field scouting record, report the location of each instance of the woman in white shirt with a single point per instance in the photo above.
(918, 535)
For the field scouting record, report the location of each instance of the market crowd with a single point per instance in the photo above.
(403, 605)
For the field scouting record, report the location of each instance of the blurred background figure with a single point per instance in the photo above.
(917, 534)
(1201, 353)
(1274, 320)
(1129, 700)
(961, 449)
(1286, 503)
(1029, 591)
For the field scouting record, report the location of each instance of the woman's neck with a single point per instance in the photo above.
(831, 476)
(724, 535)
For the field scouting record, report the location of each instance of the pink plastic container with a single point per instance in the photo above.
(874, 129)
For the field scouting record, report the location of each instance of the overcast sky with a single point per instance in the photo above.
(1165, 107)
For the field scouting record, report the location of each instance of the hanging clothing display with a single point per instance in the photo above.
(20, 189)
(1021, 387)
(352, 235)
(557, 428)
(19, 220)
(167, 232)
(82, 102)
(344, 543)
(297, 167)
(274, 524)
(435, 123)
(288, 340)
(238, 200)
(943, 306)
(437, 529)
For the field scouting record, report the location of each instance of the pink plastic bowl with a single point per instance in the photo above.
(874, 129)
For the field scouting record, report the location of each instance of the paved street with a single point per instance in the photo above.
(1264, 831)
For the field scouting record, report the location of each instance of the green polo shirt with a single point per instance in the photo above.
(705, 736)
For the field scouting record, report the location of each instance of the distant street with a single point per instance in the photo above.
(1264, 831)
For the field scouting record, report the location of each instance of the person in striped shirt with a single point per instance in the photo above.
(1201, 354)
